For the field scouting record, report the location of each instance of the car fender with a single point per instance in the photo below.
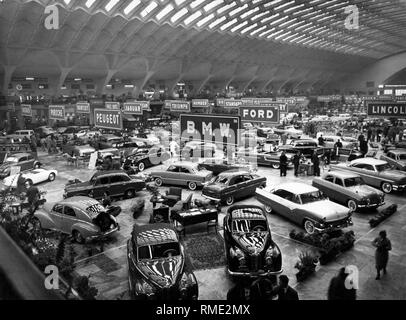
(85, 229)
(45, 219)
(306, 215)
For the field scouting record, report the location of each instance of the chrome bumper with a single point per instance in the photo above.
(211, 198)
(371, 205)
(254, 274)
(103, 235)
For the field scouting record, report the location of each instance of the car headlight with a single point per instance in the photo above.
(185, 282)
(271, 254)
(144, 287)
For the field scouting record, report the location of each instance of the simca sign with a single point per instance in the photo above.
(228, 103)
(112, 105)
(180, 106)
(393, 110)
(133, 108)
(209, 128)
(83, 107)
(200, 103)
(265, 102)
(57, 112)
(108, 119)
(26, 110)
(260, 114)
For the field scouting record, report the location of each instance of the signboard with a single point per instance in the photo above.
(112, 105)
(257, 101)
(133, 108)
(83, 107)
(329, 98)
(389, 110)
(26, 110)
(179, 106)
(93, 160)
(210, 128)
(11, 106)
(108, 119)
(228, 103)
(57, 112)
(200, 103)
(14, 170)
(260, 114)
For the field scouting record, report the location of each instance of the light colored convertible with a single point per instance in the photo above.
(35, 176)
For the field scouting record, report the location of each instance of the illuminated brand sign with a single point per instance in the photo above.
(108, 119)
(83, 107)
(26, 110)
(260, 114)
(57, 112)
(395, 110)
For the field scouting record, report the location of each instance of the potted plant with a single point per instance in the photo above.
(306, 265)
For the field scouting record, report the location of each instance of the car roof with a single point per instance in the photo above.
(398, 151)
(233, 172)
(80, 202)
(188, 164)
(371, 161)
(151, 234)
(341, 174)
(19, 155)
(246, 212)
(108, 173)
(297, 187)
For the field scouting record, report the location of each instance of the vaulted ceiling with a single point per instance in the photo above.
(275, 42)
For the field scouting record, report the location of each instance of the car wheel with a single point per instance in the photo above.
(158, 182)
(37, 166)
(78, 237)
(352, 205)
(141, 166)
(51, 177)
(192, 186)
(129, 194)
(309, 227)
(276, 165)
(230, 200)
(386, 187)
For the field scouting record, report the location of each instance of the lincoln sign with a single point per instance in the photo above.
(108, 119)
(391, 110)
(209, 128)
(57, 112)
(260, 114)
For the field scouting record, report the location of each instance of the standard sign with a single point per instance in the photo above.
(112, 105)
(200, 103)
(393, 110)
(209, 128)
(228, 103)
(180, 106)
(133, 108)
(26, 110)
(260, 114)
(108, 119)
(57, 112)
(83, 107)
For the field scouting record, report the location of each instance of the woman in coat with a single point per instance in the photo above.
(383, 246)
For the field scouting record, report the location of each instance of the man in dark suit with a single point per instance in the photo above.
(283, 164)
(284, 291)
(296, 162)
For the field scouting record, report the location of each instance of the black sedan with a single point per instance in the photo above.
(156, 265)
(250, 249)
(218, 166)
(146, 157)
(232, 185)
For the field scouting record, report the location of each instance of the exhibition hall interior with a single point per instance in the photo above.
(180, 150)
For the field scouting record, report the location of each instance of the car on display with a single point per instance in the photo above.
(148, 139)
(24, 133)
(376, 173)
(114, 183)
(198, 149)
(396, 158)
(232, 185)
(82, 217)
(71, 131)
(264, 158)
(85, 135)
(250, 138)
(10, 138)
(156, 265)
(250, 250)
(75, 148)
(35, 176)
(147, 157)
(129, 147)
(347, 142)
(306, 148)
(290, 131)
(107, 141)
(26, 161)
(350, 190)
(187, 174)
(306, 206)
(218, 166)
(44, 131)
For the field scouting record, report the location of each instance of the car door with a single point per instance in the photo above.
(339, 194)
(185, 175)
(368, 173)
(285, 204)
(117, 185)
(344, 154)
(171, 175)
(327, 185)
(101, 186)
(390, 158)
(251, 183)
(68, 219)
(236, 187)
(22, 163)
(56, 214)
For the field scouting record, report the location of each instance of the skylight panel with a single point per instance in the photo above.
(282, 35)
(279, 20)
(225, 8)
(228, 24)
(274, 34)
(287, 22)
(248, 28)
(111, 5)
(215, 23)
(179, 15)
(205, 20)
(293, 8)
(249, 12)
(235, 11)
(131, 6)
(196, 3)
(259, 15)
(193, 17)
(284, 5)
(266, 32)
(148, 9)
(89, 3)
(272, 3)
(257, 30)
(270, 18)
(236, 28)
(212, 5)
(179, 2)
(67, 1)
(165, 11)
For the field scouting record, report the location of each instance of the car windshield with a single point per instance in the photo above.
(382, 167)
(312, 197)
(221, 180)
(245, 226)
(162, 250)
(12, 159)
(352, 182)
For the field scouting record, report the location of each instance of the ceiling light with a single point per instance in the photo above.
(133, 4)
(111, 5)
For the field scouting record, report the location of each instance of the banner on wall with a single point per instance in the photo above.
(108, 119)
(57, 112)
(260, 114)
(390, 110)
(83, 107)
(228, 103)
(133, 108)
(112, 105)
(178, 105)
(200, 103)
(26, 110)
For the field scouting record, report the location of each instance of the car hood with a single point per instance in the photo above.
(252, 242)
(364, 190)
(204, 173)
(327, 209)
(78, 186)
(163, 272)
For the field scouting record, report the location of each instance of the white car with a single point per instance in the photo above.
(148, 139)
(35, 176)
(290, 131)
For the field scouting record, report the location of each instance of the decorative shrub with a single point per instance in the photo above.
(306, 265)
(383, 215)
